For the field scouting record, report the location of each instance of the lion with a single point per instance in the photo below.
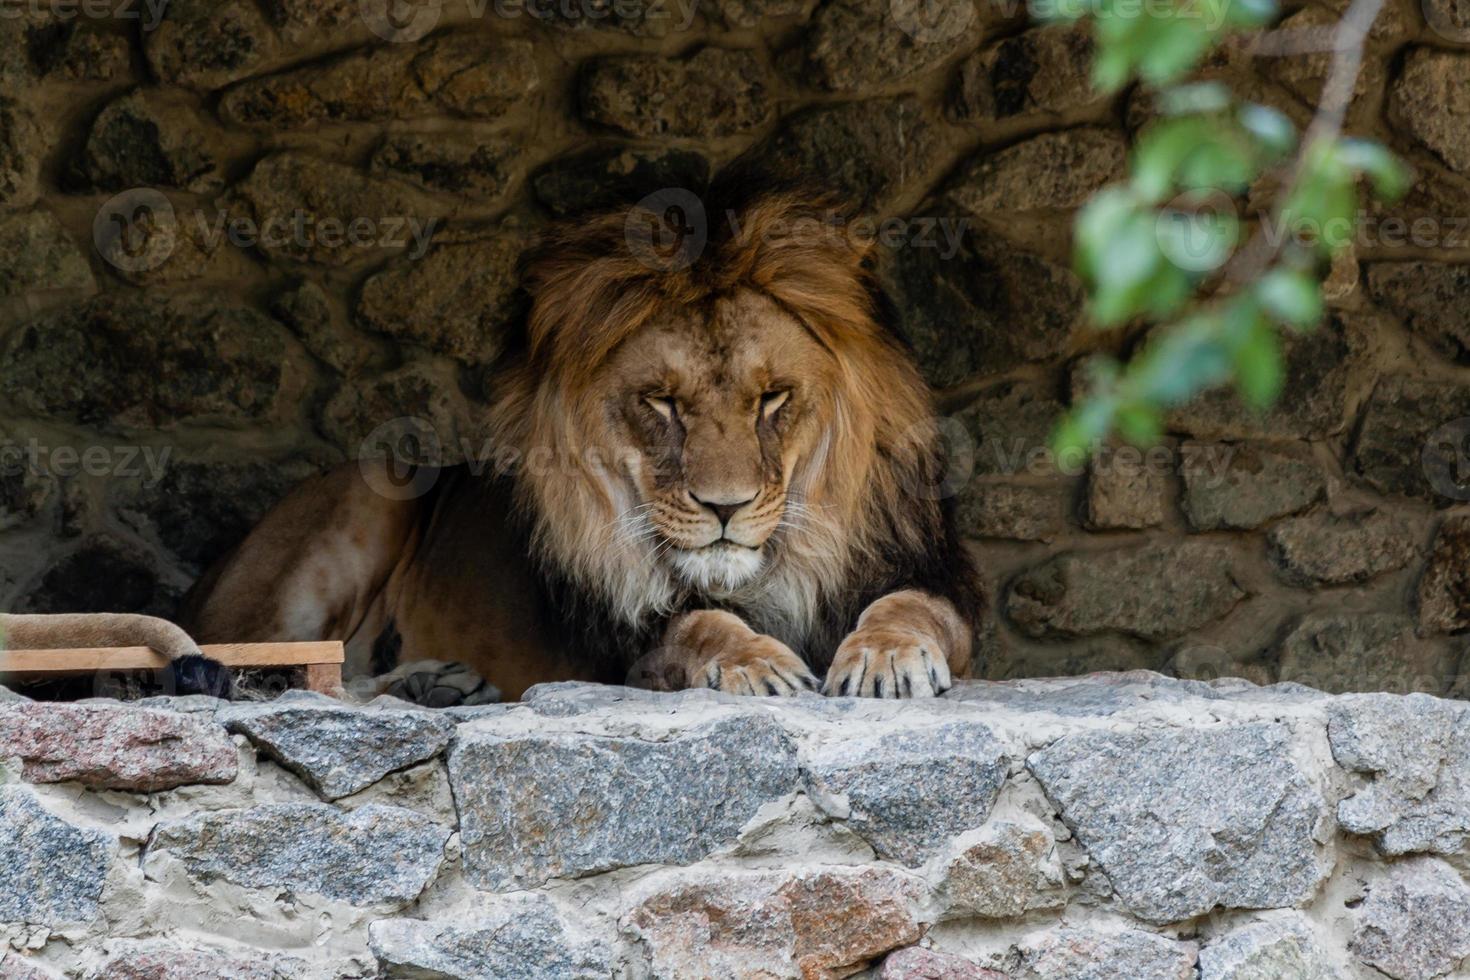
(724, 473)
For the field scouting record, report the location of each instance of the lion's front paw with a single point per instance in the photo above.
(756, 664)
(888, 663)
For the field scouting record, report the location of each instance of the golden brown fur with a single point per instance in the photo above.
(721, 476)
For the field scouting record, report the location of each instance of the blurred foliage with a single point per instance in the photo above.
(1165, 247)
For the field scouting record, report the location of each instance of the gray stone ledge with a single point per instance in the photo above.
(1116, 822)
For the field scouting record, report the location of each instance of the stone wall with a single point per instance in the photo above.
(1118, 826)
(177, 348)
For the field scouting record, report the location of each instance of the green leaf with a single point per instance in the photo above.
(1194, 99)
(1141, 424)
(1291, 296)
(1258, 368)
(1083, 428)
(1250, 13)
(1390, 177)
(1271, 128)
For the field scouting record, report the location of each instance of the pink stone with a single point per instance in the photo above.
(917, 963)
(105, 747)
(817, 926)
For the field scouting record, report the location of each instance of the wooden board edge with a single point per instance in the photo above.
(238, 655)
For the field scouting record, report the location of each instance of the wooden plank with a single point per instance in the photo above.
(142, 658)
(324, 678)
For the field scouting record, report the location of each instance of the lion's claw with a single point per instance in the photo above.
(887, 663)
(757, 665)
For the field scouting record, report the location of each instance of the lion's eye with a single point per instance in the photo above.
(772, 401)
(663, 405)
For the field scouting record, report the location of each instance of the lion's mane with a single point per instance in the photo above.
(873, 479)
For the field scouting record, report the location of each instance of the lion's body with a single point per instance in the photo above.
(740, 436)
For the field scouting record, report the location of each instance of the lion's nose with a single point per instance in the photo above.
(723, 509)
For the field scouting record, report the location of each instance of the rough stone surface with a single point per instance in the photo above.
(1305, 74)
(612, 174)
(1245, 486)
(1432, 100)
(1280, 948)
(714, 94)
(202, 507)
(374, 855)
(51, 872)
(114, 748)
(1150, 804)
(148, 138)
(101, 575)
(478, 76)
(353, 417)
(1411, 439)
(1444, 589)
(1011, 425)
(156, 961)
(908, 793)
(459, 299)
(14, 966)
(524, 800)
(1011, 870)
(150, 361)
(1124, 490)
(978, 303)
(205, 44)
(340, 752)
(918, 963)
(1335, 549)
(1048, 70)
(1080, 954)
(21, 142)
(1432, 298)
(308, 311)
(870, 152)
(1363, 652)
(1417, 749)
(821, 924)
(1153, 591)
(855, 43)
(312, 210)
(1017, 512)
(1415, 923)
(1051, 171)
(1201, 795)
(69, 49)
(475, 166)
(38, 256)
(511, 938)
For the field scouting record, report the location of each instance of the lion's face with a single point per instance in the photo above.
(713, 411)
(742, 428)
